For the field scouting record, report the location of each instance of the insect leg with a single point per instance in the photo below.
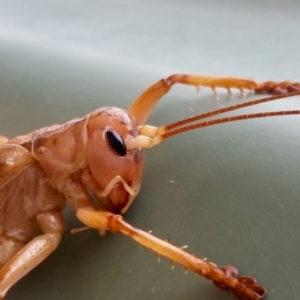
(8, 248)
(145, 103)
(225, 278)
(33, 253)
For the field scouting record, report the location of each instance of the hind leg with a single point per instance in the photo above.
(34, 252)
(8, 248)
(12, 240)
(141, 108)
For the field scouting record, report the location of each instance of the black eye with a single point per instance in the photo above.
(116, 143)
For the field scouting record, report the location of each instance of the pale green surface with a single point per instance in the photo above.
(235, 197)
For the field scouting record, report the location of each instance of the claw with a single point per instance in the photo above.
(230, 271)
(278, 88)
(259, 290)
(244, 282)
(295, 87)
(247, 280)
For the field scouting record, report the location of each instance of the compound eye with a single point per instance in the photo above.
(116, 143)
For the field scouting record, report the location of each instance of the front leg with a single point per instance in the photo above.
(33, 253)
(226, 278)
(144, 104)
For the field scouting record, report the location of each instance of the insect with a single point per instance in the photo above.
(103, 153)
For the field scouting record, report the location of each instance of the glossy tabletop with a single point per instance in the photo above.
(230, 192)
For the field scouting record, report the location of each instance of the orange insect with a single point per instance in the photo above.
(103, 153)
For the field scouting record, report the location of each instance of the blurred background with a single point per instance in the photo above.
(231, 192)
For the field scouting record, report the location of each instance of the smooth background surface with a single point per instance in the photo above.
(230, 192)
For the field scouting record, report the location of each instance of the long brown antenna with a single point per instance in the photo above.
(226, 109)
(228, 119)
